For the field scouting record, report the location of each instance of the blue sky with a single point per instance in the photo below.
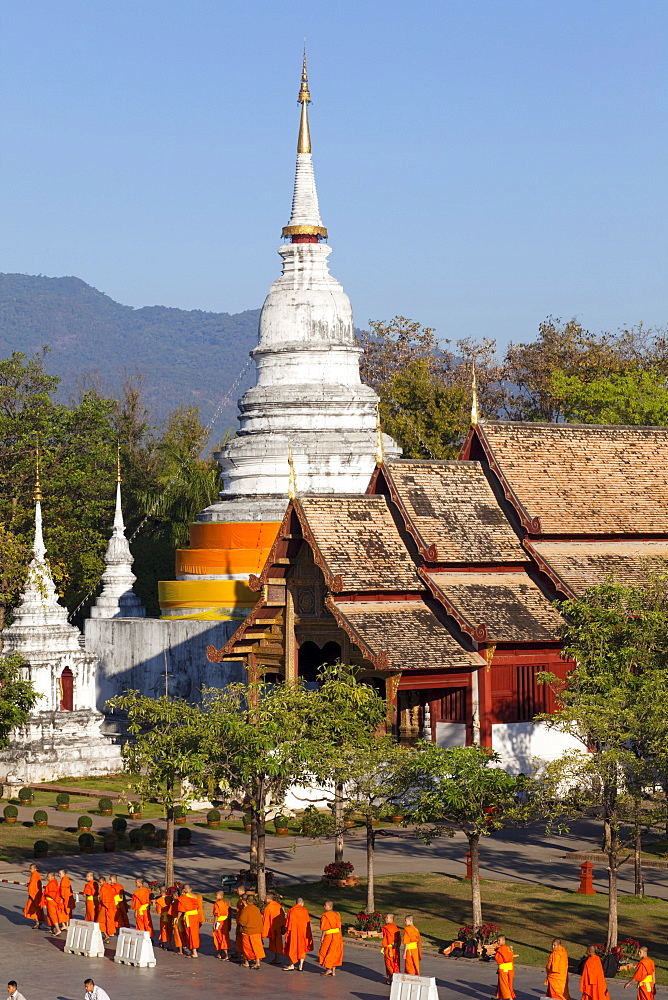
(480, 163)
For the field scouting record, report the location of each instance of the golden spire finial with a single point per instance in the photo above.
(292, 479)
(304, 98)
(37, 495)
(118, 462)
(474, 398)
(380, 444)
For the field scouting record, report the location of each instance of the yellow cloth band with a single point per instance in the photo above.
(506, 967)
(144, 907)
(118, 899)
(90, 898)
(647, 981)
(411, 946)
(333, 930)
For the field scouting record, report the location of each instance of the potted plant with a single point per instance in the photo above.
(40, 849)
(86, 843)
(180, 815)
(26, 796)
(110, 842)
(105, 806)
(40, 817)
(213, 818)
(134, 809)
(340, 873)
(398, 818)
(84, 823)
(11, 814)
(119, 825)
(184, 837)
(148, 829)
(161, 838)
(62, 801)
(281, 826)
(248, 822)
(136, 838)
(368, 925)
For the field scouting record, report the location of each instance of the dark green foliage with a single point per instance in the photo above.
(10, 811)
(17, 696)
(85, 822)
(180, 812)
(41, 848)
(105, 804)
(119, 825)
(86, 841)
(148, 829)
(213, 816)
(315, 823)
(62, 798)
(184, 837)
(40, 816)
(26, 795)
(137, 838)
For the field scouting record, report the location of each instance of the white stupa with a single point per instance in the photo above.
(308, 392)
(117, 598)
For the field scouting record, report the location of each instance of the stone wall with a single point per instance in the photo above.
(132, 653)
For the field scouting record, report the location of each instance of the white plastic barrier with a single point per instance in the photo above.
(134, 948)
(413, 987)
(84, 938)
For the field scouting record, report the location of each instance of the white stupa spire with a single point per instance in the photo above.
(305, 217)
(118, 599)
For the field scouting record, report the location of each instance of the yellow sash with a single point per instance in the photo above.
(333, 930)
(411, 946)
(506, 967)
(144, 907)
(190, 913)
(646, 982)
(118, 899)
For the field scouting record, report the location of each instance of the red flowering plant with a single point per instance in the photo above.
(484, 933)
(370, 921)
(338, 869)
(629, 950)
(601, 951)
(247, 878)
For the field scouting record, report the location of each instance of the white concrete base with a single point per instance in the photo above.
(522, 744)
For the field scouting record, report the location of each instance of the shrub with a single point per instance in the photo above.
(148, 829)
(247, 819)
(110, 842)
(105, 805)
(86, 843)
(40, 849)
(11, 812)
(370, 921)
(246, 877)
(119, 825)
(84, 822)
(26, 795)
(184, 836)
(136, 838)
(180, 812)
(62, 799)
(40, 816)
(213, 816)
(338, 869)
(133, 807)
(315, 823)
(281, 822)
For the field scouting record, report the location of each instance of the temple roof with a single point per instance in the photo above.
(452, 512)
(402, 635)
(497, 607)
(356, 540)
(582, 479)
(575, 566)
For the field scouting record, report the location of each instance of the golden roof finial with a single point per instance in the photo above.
(118, 462)
(380, 444)
(304, 98)
(37, 495)
(474, 398)
(292, 479)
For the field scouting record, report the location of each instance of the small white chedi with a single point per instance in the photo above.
(309, 396)
(63, 736)
(117, 598)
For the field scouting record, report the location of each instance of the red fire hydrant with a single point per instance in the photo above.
(586, 879)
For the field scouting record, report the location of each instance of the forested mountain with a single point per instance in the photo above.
(185, 357)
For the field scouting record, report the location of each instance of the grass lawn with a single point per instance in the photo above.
(529, 915)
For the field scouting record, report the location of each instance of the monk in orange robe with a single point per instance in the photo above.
(178, 930)
(141, 904)
(106, 913)
(190, 906)
(391, 947)
(644, 976)
(250, 926)
(33, 908)
(90, 891)
(592, 981)
(273, 926)
(67, 897)
(163, 907)
(505, 968)
(222, 923)
(241, 897)
(53, 902)
(412, 948)
(298, 936)
(330, 955)
(122, 919)
(557, 972)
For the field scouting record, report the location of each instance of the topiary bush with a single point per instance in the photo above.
(26, 796)
(136, 838)
(119, 825)
(63, 800)
(11, 812)
(148, 829)
(40, 817)
(40, 849)
(213, 817)
(110, 843)
(184, 837)
(105, 806)
(180, 814)
(85, 822)
(86, 843)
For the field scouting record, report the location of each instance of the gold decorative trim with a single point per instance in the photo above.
(304, 231)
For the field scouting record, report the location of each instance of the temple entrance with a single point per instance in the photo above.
(310, 658)
(420, 712)
(67, 690)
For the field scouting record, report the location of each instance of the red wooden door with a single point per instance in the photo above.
(67, 690)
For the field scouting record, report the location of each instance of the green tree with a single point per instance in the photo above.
(425, 417)
(634, 396)
(164, 757)
(17, 696)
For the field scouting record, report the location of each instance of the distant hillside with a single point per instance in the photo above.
(184, 357)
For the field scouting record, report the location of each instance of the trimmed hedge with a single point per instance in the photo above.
(10, 812)
(85, 822)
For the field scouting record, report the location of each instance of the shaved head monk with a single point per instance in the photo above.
(391, 947)
(106, 914)
(250, 925)
(298, 936)
(273, 925)
(90, 891)
(412, 941)
(592, 981)
(330, 955)
(33, 908)
(644, 976)
(557, 973)
(141, 904)
(505, 968)
(53, 902)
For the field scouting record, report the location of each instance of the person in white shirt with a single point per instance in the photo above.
(13, 991)
(94, 992)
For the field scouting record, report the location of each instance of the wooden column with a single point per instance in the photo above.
(392, 702)
(291, 667)
(485, 702)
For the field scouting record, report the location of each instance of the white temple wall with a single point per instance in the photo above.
(132, 653)
(522, 744)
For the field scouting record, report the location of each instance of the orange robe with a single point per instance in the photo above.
(67, 897)
(592, 980)
(53, 902)
(413, 942)
(141, 904)
(391, 949)
(298, 936)
(121, 906)
(106, 914)
(506, 973)
(178, 929)
(644, 976)
(190, 906)
(330, 955)
(273, 925)
(33, 908)
(90, 891)
(250, 926)
(557, 975)
(222, 923)
(163, 910)
(237, 933)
